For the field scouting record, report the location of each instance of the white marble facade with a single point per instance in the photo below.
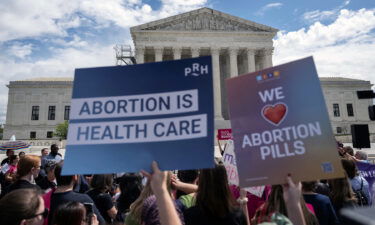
(237, 46)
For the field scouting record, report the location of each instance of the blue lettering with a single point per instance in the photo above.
(85, 109)
(121, 104)
(107, 133)
(138, 130)
(195, 126)
(128, 126)
(109, 104)
(85, 133)
(155, 130)
(94, 131)
(116, 133)
(97, 107)
(172, 129)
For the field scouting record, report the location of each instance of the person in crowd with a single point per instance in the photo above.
(349, 150)
(341, 194)
(150, 215)
(214, 202)
(54, 155)
(358, 183)
(186, 176)
(130, 189)
(21, 154)
(166, 207)
(27, 169)
(323, 208)
(361, 156)
(22, 207)
(10, 175)
(48, 181)
(44, 152)
(101, 184)
(82, 185)
(73, 213)
(322, 187)
(276, 209)
(134, 217)
(8, 154)
(64, 193)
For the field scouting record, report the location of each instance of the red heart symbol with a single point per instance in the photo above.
(274, 113)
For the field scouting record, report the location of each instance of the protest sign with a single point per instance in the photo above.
(367, 170)
(229, 161)
(281, 126)
(224, 134)
(124, 117)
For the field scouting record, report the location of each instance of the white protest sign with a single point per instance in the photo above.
(229, 160)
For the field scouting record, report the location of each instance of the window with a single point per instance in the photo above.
(66, 112)
(336, 110)
(338, 130)
(51, 112)
(35, 113)
(349, 107)
(32, 135)
(49, 134)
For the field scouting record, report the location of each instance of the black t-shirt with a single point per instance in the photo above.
(103, 201)
(19, 184)
(58, 199)
(44, 183)
(195, 216)
(6, 160)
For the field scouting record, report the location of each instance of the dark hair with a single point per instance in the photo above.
(8, 151)
(102, 182)
(341, 192)
(276, 203)
(349, 167)
(21, 153)
(130, 187)
(309, 186)
(213, 196)
(71, 213)
(62, 180)
(19, 205)
(26, 164)
(349, 150)
(187, 176)
(53, 146)
(12, 158)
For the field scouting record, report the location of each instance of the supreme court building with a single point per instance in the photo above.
(237, 46)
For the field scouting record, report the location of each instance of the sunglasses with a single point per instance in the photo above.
(44, 214)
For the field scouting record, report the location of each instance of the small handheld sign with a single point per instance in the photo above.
(124, 117)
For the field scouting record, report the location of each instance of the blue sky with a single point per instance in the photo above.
(49, 38)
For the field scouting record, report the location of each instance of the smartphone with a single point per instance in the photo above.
(89, 211)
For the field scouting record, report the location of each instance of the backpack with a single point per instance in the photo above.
(360, 195)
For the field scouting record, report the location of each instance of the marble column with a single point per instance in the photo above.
(140, 55)
(158, 54)
(233, 62)
(250, 60)
(194, 52)
(267, 58)
(215, 52)
(177, 53)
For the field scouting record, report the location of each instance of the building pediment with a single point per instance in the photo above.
(204, 19)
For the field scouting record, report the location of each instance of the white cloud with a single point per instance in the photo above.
(317, 15)
(267, 7)
(19, 50)
(343, 48)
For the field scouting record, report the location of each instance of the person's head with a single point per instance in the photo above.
(309, 186)
(188, 176)
(28, 165)
(44, 152)
(102, 182)
(9, 152)
(213, 183)
(137, 206)
(13, 160)
(54, 149)
(130, 187)
(70, 213)
(64, 180)
(21, 154)
(349, 167)
(341, 191)
(22, 207)
(361, 155)
(349, 150)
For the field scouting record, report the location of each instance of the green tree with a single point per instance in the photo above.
(62, 130)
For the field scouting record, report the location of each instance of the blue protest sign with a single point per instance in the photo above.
(367, 170)
(124, 117)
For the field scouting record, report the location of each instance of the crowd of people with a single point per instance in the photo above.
(34, 192)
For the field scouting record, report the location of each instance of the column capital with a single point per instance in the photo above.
(177, 48)
(158, 49)
(215, 50)
(268, 51)
(233, 50)
(140, 48)
(195, 51)
(251, 51)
